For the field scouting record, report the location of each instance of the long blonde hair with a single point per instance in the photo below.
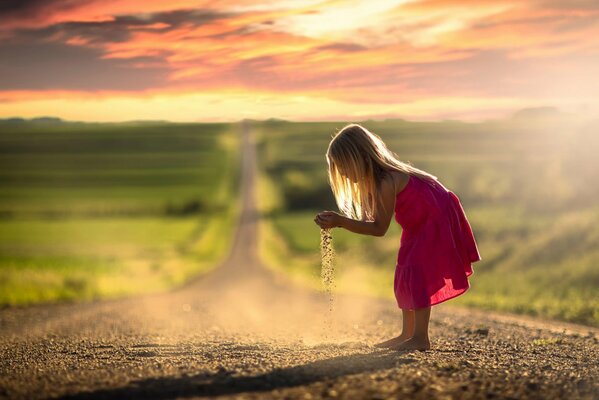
(358, 160)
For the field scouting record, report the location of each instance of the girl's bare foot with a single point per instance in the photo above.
(414, 343)
(393, 343)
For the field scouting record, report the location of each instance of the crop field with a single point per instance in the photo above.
(105, 210)
(524, 183)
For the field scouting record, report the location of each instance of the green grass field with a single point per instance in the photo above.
(103, 210)
(525, 186)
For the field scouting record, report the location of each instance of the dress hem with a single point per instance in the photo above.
(468, 274)
(438, 302)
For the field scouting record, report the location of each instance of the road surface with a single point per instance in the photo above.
(243, 331)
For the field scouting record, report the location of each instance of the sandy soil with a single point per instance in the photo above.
(245, 332)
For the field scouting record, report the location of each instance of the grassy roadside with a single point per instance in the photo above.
(119, 242)
(563, 289)
(539, 250)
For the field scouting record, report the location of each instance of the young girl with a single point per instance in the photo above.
(437, 245)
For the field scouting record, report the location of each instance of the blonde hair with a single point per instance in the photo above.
(358, 160)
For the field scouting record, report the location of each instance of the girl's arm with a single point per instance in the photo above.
(385, 209)
(378, 227)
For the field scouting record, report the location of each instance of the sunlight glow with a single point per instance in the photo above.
(339, 17)
(232, 105)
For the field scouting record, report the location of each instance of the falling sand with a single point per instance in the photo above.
(327, 270)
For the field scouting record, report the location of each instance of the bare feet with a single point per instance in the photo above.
(393, 343)
(414, 343)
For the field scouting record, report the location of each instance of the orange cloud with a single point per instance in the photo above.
(363, 52)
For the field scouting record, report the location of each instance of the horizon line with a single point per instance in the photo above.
(527, 112)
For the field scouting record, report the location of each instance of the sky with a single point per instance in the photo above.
(182, 60)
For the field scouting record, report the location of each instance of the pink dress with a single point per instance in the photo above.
(437, 245)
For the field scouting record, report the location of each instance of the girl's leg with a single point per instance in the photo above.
(407, 330)
(420, 340)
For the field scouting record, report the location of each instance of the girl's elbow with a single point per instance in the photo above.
(379, 232)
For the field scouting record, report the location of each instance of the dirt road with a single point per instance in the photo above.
(245, 332)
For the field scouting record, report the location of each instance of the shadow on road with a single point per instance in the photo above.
(225, 382)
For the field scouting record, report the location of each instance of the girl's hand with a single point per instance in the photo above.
(328, 219)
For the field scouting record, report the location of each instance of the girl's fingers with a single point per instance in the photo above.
(324, 219)
(323, 223)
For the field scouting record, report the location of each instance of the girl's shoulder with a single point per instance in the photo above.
(398, 179)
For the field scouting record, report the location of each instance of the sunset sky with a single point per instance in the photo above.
(181, 60)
